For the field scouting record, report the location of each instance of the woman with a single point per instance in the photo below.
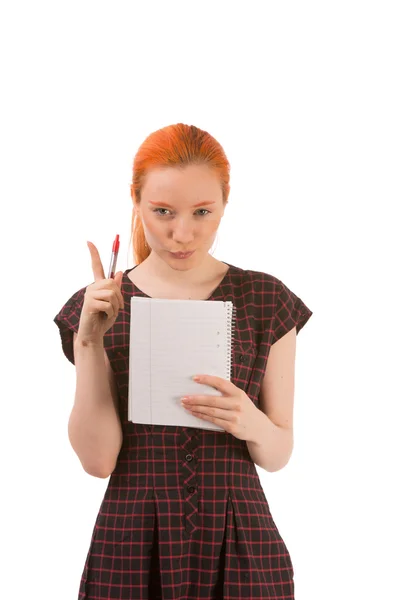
(184, 514)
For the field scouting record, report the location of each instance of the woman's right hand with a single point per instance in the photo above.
(102, 296)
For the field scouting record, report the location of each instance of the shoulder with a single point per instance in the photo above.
(274, 305)
(268, 299)
(255, 281)
(73, 304)
(69, 314)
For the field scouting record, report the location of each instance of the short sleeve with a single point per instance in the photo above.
(67, 321)
(290, 311)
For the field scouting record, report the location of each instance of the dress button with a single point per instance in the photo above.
(188, 457)
(241, 358)
(190, 489)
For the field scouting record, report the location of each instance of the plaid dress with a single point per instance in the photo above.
(184, 515)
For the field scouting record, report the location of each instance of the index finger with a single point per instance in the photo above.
(97, 266)
(223, 385)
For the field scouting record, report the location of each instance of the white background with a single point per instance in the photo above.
(304, 98)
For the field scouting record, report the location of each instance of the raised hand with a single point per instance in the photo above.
(103, 298)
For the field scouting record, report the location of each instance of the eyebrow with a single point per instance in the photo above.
(165, 205)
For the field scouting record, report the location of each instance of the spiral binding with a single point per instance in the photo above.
(231, 324)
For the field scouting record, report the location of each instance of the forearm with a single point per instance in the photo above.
(272, 446)
(94, 427)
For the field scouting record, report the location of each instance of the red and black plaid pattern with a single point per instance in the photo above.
(184, 515)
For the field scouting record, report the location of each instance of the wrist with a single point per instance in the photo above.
(84, 342)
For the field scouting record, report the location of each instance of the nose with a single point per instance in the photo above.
(182, 232)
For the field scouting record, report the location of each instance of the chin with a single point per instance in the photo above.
(180, 265)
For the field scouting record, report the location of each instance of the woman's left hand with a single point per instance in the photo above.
(233, 411)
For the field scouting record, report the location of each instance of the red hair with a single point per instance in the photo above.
(176, 146)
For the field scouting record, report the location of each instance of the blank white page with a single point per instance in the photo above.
(170, 341)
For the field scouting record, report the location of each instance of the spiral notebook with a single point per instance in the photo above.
(170, 341)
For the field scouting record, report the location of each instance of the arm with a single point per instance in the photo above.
(274, 447)
(94, 426)
(274, 439)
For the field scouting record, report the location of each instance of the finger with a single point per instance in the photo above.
(118, 278)
(97, 266)
(109, 296)
(104, 306)
(114, 301)
(204, 400)
(113, 284)
(222, 385)
(118, 281)
(210, 411)
(222, 419)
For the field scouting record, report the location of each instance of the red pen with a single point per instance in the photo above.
(114, 256)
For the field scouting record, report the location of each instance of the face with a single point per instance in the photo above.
(181, 211)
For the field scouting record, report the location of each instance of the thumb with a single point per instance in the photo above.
(118, 278)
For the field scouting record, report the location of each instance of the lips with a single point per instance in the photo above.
(182, 254)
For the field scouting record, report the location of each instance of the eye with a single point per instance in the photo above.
(156, 210)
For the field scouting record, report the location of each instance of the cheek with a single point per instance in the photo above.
(152, 228)
(212, 226)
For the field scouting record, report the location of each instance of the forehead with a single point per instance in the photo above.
(190, 183)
